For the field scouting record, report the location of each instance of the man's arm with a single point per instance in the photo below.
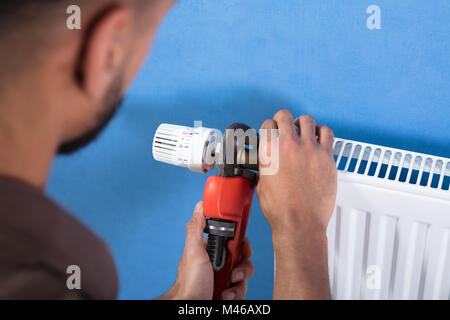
(298, 201)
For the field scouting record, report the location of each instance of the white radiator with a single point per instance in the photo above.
(389, 237)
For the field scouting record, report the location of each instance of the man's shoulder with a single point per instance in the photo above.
(36, 233)
(34, 283)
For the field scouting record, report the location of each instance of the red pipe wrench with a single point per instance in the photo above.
(226, 205)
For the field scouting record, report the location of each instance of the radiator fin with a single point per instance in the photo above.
(381, 257)
(351, 256)
(438, 284)
(410, 262)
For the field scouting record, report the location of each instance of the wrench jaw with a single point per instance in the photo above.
(234, 146)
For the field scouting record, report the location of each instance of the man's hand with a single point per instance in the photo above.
(298, 202)
(195, 280)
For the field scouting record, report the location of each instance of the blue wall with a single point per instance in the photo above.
(227, 61)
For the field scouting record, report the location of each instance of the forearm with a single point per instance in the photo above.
(301, 266)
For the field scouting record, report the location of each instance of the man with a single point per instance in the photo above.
(58, 90)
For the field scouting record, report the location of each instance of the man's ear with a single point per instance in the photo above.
(105, 49)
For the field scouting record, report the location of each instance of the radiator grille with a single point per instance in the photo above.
(392, 164)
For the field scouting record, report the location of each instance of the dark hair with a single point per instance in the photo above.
(14, 13)
(28, 29)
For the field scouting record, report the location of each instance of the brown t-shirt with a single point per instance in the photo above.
(39, 241)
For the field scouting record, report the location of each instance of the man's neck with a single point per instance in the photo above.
(27, 145)
(30, 164)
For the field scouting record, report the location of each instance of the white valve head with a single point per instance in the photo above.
(193, 148)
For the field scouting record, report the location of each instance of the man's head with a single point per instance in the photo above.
(70, 82)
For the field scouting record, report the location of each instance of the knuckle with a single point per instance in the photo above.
(324, 155)
(289, 144)
(326, 130)
(190, 225)
(307, 118)
(267, 123)
(326, 159)
(309, 145)
(283, 114)
(289, 140)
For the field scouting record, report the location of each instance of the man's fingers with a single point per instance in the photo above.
(326, 137)
(285, 124)
(307, 126)
(237, 292)
(195, 227)
(269, 124)
(243, 271)
(265, 142)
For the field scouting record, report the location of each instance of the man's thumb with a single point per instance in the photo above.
(195, 227)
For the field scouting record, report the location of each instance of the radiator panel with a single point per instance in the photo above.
(389, 236)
